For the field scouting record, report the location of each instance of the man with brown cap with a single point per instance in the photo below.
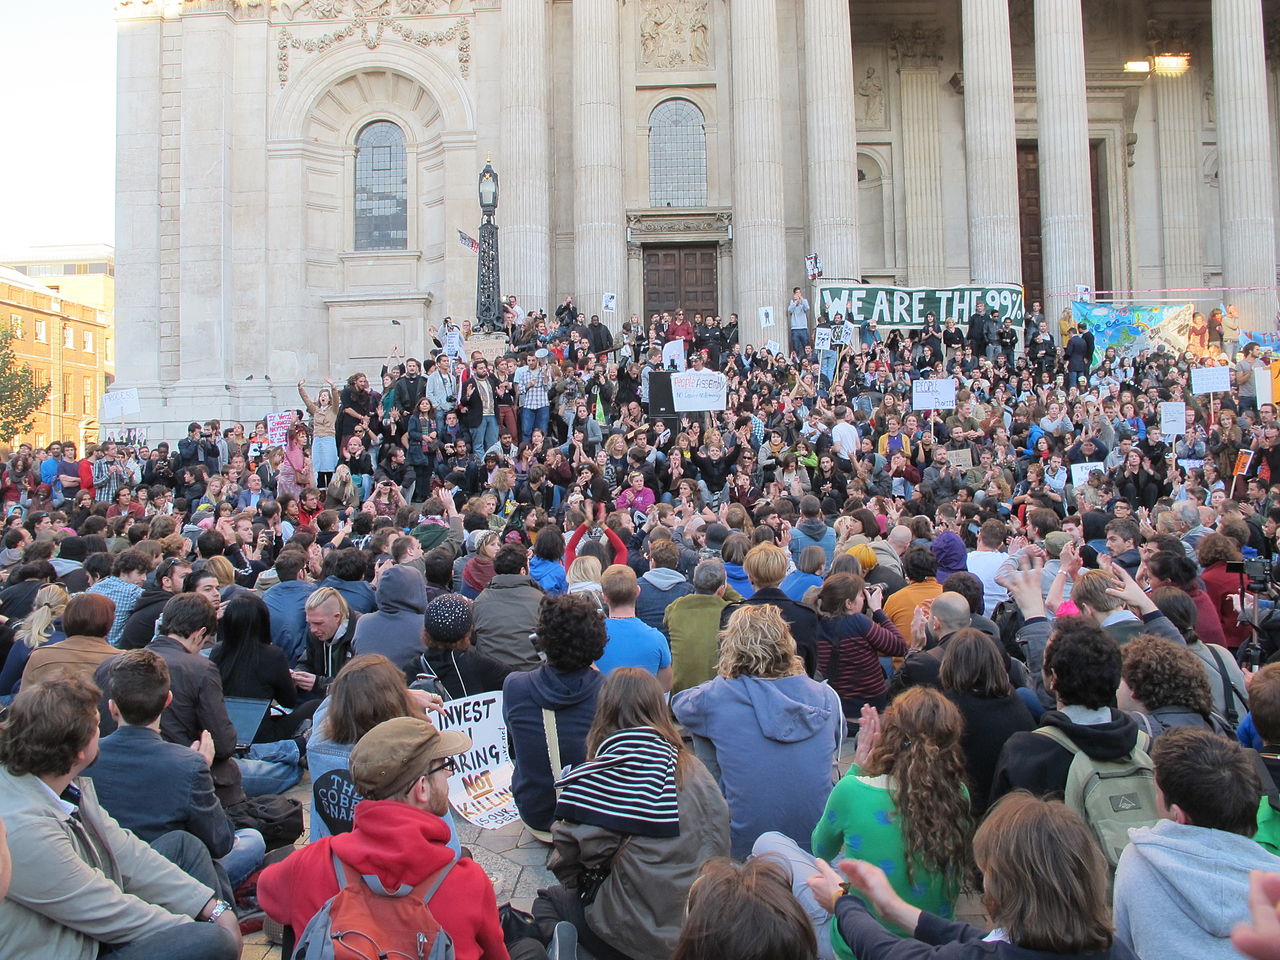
(401, 768)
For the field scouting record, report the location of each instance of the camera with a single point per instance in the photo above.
(1256, 570)
(451, 399)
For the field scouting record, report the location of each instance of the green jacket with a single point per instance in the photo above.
(81, 882)
(693, 624)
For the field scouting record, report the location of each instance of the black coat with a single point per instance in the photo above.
(988, 723)
(1039, 765)
(472, 408)
(141, 625)
(802, 620)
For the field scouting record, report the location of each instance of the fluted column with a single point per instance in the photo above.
(600, 232)
(831, 137)
(918, 51)
(758, 234)
(1062, 109)
(525, 169)
(1246, 172)
(990, 145)
(1177, 101)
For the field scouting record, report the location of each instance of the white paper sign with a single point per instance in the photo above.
(766, 316)
(822, 338)
(118, 403)
(1173, 418)
(278, 425)
(694, 392)
(453, 342)
(1262, 385)
(673, 355)
(1080, 472)
(480, 789)
(773, 347)
(933, 394)
(609, 303)
(850, 332)
(1210, 380)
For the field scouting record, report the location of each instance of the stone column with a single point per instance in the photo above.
(1246, 173)
(599, 211)
(524, 240)
(1177, 101)
(758, 233)
(1062, 109)
(918, 51)
(831, 137)
(990, 145)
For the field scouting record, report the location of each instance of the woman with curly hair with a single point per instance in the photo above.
(548, 711)
(1162, 684)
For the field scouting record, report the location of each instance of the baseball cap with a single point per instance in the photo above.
(448, 618)
(393, 755)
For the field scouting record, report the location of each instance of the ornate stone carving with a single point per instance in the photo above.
(675, 33)
(1172, 36)
(663, 222)
(370, 29)
(333, 9)
(919, 48)
(869, 110)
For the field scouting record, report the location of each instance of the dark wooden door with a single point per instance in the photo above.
(682, 278)
(1029, 219)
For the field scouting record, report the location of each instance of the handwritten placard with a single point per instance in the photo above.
(1080, 472)
(822, 338)
(1173, 418)
(480, 787)
(1210, 380)
(278, 425)
(933, 394)
(695, 391)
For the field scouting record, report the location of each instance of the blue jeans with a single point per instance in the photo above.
(799, 865)
(530, 420)
(245, 857)
(484, 435)
(799, 340)
(270, 768)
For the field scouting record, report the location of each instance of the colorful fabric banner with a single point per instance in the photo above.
(1134, 327)
(1268, 340)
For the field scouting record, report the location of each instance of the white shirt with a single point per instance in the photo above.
(844, 439)
(986, 565)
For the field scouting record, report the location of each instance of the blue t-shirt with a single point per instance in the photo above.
(633, 643)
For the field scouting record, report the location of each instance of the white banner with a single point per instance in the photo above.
(1080, 472)
(1262, 385)
(118, 404)
(933, 394)
(673, 355)
(1173, 418)
(694, 392)
(1210, 380)
(480, 789)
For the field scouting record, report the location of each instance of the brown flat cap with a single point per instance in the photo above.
(390, 757)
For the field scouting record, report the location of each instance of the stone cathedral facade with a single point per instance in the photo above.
(293, 175)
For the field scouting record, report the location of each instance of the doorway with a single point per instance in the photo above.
(681, 277)
(1029, 218)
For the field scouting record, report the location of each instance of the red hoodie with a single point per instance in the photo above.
(401, 844)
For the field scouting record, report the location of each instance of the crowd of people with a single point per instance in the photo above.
(1051, 687)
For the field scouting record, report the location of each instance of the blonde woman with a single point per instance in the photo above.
(584, 577)
(221, 568)
(42, 625)
(342, 492)
(324, 430)
(763, 713)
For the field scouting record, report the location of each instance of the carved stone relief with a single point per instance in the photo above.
(333, 9)
(675, 34)
(870, 88)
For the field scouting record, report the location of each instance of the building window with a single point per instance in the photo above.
(42, 331)
(88, 395)
(15, 324)
(677, 155)
(382, 188)
(66, 393)
(88, 341)
(69, 336)
(108, 348)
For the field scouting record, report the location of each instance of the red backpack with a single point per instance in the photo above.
(364, 920)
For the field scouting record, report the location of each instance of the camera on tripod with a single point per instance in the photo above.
(1257, 571)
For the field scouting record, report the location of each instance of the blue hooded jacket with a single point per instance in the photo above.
(395, 628)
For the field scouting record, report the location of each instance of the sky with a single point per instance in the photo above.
(58, 74)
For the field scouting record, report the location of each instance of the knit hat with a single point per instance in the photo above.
(389, 758)
(72, 548)
(448, 618)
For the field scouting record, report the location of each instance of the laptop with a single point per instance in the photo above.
(246, 716)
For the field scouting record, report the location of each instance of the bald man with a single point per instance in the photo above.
(948, 613)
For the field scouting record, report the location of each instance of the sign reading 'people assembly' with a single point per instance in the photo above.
(908, 306)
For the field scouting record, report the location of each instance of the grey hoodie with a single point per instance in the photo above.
(1180, 889)
(395, 628)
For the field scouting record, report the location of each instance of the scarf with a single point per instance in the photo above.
(477, 573)
(628, 787)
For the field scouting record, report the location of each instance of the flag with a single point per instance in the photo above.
(468, 242)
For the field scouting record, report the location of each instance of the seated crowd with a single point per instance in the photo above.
(1056, 689)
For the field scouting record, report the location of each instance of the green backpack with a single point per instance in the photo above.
(1111, 796)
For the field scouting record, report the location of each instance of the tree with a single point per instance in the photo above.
(20, 398)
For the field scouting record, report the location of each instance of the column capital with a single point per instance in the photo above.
(1167, 35)
(916, 48)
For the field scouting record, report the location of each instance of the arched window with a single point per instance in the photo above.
(677, 155)
(382, 194)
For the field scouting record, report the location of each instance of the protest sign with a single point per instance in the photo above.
(822, 338)
(673, 356)
(118, 404)
(1210, 380)
(963, 459)
(609, 303)
(1173, 418)
(766, 316)
(453, 341)
(1268, 340)
(933, 394)
(278, 425)
(480, 787)
(773, 347)
(1244, 461)
(1080, 472)
(908, 306)
(850, 332)
(694, 391)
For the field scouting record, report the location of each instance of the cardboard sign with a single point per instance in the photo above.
(1210, 380)
(480, 789)
(822, 338)
(118, 404)
(673, 355)
(278, 425)
(1244, 461)
(960, 458)
(933, 394)
(1080, 472)
(850, 332)
(1173, 418)
(695, 392)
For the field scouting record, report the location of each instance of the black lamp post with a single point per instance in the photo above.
(488, 310)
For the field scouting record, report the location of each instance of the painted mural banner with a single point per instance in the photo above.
(908, 306)
(1134, 327)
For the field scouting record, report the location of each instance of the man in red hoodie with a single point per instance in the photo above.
(401, 767)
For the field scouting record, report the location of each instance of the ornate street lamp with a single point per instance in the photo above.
(488, 310)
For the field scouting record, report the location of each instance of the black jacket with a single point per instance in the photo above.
(152, 787)
(464, 672)
(141, 625)
(600, 338)
(1037, 764)
(472, 408)
(326, 659)
(802, 620)
(988, 724)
